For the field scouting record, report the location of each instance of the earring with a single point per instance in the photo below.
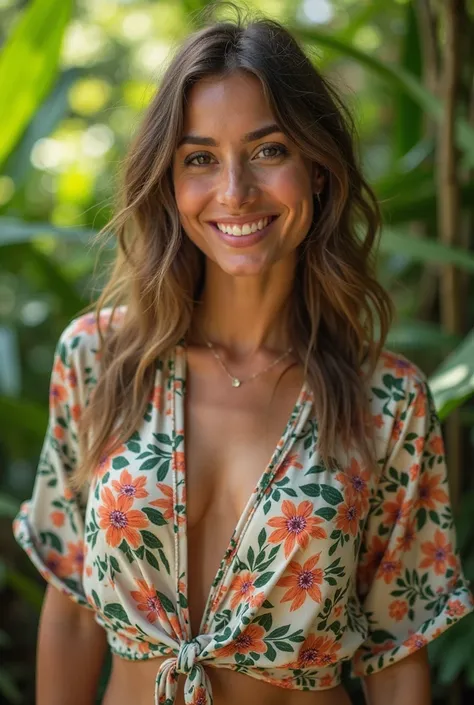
(319, 200)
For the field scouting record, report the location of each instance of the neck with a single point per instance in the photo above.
(244, 314)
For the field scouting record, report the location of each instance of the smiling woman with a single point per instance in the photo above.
(239, 482)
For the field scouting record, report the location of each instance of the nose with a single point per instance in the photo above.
(236, 187)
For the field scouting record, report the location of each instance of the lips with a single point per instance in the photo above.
(238, 241)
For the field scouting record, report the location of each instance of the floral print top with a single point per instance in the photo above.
(323, 566)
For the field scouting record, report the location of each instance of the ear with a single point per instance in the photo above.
(318, 178)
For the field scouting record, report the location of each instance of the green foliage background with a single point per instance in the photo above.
(75, 78)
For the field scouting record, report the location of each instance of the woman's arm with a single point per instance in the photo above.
(405, 683)
(71, 649)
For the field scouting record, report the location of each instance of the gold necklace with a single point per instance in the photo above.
(236, 382)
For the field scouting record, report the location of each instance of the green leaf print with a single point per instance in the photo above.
(166, 602)
(279, 632)
(250, 557)
(311, 490)
(263, 579)
(150, 463)
(150, 539)
(163, 438)
(120, 462)
(52, 539)
(326, 513)
(284, 646)
(152, 560)
(331, 495)
(133, 447)
(270, 652)
(162, 471)
(262, 537)
(116, 611)
(164, 560)
(155, 516)
(95, 597)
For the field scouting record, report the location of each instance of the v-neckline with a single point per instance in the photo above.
(178, 373)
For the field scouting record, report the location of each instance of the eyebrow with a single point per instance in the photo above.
(249, 137)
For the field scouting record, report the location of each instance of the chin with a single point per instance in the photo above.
(244, 265)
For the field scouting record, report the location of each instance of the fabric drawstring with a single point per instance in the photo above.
(197, 687)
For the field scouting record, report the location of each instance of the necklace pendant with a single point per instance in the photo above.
(236, 382)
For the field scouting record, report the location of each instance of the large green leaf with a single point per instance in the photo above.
(41, 125)
(398, 78)
(395, 241)
(453, 382)
(408, 114)
(15, 230)
(28, 66)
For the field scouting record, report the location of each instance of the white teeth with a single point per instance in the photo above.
(246, 229)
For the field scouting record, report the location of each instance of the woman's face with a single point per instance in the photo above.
(235, 168)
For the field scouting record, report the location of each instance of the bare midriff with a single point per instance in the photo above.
(133, 682)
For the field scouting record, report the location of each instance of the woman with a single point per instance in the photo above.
(239, 391)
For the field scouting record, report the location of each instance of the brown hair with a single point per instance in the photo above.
(338, 307)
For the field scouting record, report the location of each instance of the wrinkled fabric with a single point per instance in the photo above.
(323, 566)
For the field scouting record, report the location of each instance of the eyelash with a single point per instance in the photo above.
(282, 152)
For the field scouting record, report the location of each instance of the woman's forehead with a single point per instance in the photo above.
(227, 103)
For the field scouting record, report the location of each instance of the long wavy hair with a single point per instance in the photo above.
(340, 313)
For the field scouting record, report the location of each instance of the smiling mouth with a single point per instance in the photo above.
(247, 228)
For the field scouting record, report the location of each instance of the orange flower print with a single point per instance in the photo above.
(397, 509)
(397, 429)
(355, 481)
(326, 681)
(348, 517)
(378, 421)
(58, 518)
(429, 492)
(105, 463)
(398, 609)
(243, 588)
(73, 562)
(414, 471)
(59, 432)
(404, 543)
(419, 444)
(76, 411)
(438, 553)
(296, 526)
(180, 461)
(130, 487)
(455, 608)
(415, 642)
(57, 395)
(251, 639)
(303, 581)
(120, 521)
(167, 503)
(400, 365)
(156, 398)
(55, 564)
(389, 569)
(317, 651)
(148, 601)
(437, 445)
(86, 324)
(291, 461)
(199, 697)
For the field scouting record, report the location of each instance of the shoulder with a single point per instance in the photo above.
(396, 374)
(79, 342)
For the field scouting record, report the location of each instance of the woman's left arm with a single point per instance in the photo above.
(407, 682)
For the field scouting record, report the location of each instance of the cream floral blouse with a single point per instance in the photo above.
(323, 566)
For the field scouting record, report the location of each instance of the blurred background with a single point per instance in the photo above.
(75, 78)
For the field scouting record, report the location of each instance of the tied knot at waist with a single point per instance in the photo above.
(187, 656)
(187, 661)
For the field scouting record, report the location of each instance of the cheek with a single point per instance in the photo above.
(291, 185)
(191, 196)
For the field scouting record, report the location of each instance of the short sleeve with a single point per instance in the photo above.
(409, 581)
(50, 525)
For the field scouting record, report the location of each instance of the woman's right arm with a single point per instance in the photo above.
(70, 654)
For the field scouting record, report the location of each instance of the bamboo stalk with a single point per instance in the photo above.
(451, 306)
